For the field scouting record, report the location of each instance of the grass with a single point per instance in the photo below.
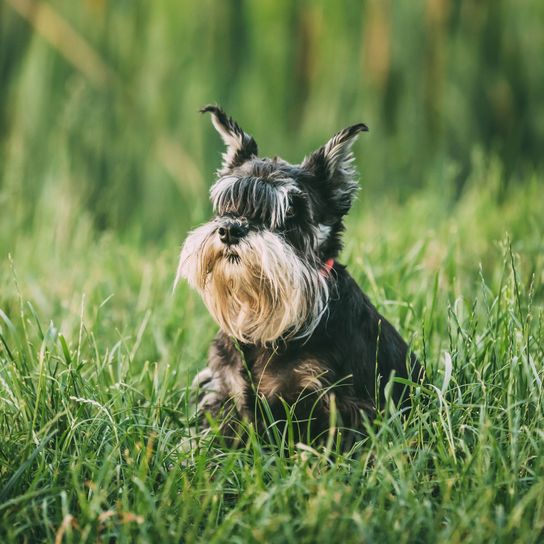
(96, 353)
(104, 165)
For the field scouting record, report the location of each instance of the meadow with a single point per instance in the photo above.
(105, 165)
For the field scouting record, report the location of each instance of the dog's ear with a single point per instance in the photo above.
(331, 166)
(335, 155)
(240, 145)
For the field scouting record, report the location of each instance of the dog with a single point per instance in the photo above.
(295, 329)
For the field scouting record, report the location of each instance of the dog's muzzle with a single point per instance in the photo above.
(231, 231)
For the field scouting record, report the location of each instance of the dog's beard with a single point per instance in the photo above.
(258, 290)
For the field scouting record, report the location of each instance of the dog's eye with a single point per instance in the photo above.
(290, 211)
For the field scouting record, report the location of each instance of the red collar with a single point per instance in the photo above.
(328, 266)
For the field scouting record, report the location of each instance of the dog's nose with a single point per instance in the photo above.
(231, 232)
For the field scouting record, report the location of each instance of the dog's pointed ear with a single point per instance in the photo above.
(240, 145)
(331, 167)
(335, 156)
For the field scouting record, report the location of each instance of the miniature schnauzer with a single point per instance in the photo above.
(296, 330)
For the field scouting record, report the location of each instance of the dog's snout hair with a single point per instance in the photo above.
(258, 290)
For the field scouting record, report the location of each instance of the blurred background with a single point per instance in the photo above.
(99, 100)
(105, 164)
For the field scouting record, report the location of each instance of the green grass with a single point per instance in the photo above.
(96, 353)
(105, 165)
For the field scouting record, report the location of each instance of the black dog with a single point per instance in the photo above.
(296, 329)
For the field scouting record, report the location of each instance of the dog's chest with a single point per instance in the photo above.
(288, 378)
(252, 372)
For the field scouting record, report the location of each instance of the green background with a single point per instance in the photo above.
(105, 165)
(99, 99)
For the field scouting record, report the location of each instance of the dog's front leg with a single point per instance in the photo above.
(211, 395)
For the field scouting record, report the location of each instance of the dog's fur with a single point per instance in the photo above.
(296, 329)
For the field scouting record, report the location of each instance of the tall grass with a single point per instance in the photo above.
(95, 418)
(104, 166)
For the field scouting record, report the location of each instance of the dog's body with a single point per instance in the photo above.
(296, 330)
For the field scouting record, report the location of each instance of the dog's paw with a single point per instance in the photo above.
(202, 378)
(209, 391)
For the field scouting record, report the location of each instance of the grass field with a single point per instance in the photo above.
(96, 352)
(105, 165)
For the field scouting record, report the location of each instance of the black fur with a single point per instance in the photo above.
(353, 348)
(248, 147)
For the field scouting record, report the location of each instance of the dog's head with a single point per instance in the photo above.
(259, 264)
